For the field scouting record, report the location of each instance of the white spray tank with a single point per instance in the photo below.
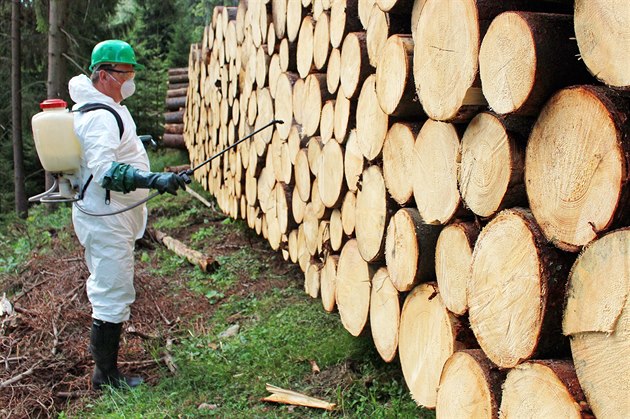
(58, 148)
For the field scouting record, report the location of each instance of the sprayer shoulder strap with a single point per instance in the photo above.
(121, 129)
(94, 106)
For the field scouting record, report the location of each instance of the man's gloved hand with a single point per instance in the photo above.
(163, 182)
(126, 178)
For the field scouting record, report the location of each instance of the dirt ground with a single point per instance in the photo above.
(45, 364)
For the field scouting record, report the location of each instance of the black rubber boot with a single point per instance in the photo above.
(104, 344)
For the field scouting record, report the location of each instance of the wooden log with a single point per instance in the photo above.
(395, 6)
(287, 52)
(284, 103)
(333, 70)
(353, 288)
(363, 10)
(373, 211)
(353, 162)
(295, 15)
(327, 121)
(601, 33)
(178, 78)
(295, 142)
(384, 315)
(262, 65)
(312, 279)
(177, 86)
(283, 196)
(470, 387)
(264, 115)
(548, 388)
(597, 318)
(453, 259)
(174, 141)
(343, 123)
(435, 184)
(399, 159)
(303, 175)
(577, 158)
(428, 336)
(321, 42)
(343, 20)
(525, 57)
(279, 14)
(174, 128)
(305, 47)
(298, 100)
(273, 72)
(315, 94)
(410, 249)
(336, 230)
(380, 27)
(323, 238)
(394, 78)
(493, 164)
(177, 71)
(314, 154)
(174, 117)
(512, 326)
(372, 122)
(330, 175)
(205, 263)
(355, 66)
(416, 10)
(328, 282)
(180, 91)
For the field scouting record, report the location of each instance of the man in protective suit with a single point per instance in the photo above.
(115, 174)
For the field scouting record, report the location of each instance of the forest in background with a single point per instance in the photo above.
(160, 33)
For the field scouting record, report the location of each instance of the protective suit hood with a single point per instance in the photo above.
(83, 91)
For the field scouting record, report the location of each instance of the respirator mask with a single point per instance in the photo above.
(127, 88)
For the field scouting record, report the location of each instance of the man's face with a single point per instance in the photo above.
(111, 80)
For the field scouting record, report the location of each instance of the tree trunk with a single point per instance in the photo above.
(493, 164)
(525, 57)
(384, 315)
(547, 389)
(511, 326)
(453, 259)
(597, 318)
(428, 336)
(354, 283)
(21, 202)
(410, 249)
(576, 157)
(601, 33)
(470, 387)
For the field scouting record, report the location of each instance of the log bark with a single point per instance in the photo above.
(453, 260)
(373, 211)
(600, 30)
(206, 263)
(596, 317)
(174, 128)
(175, 103)
(512, 254)
(470, 387)
(399, 160)
(180, 91)
(384, 315)
(174, 117)
(493, 164)
(427, 338)
(174, 141)
(525, 57)
(435, 184)
(354, 283)
(372, 122)
(577, 158)
(410, 249)
(547, 388)
(394, 78)
(355, 65)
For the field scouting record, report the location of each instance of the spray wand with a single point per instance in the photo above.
(184, 174)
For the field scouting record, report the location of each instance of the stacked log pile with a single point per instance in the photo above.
(440, 167)
(175, 104)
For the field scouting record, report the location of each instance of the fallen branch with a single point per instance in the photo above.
(206, 263)
(18, 377)
(200, 198)
(280, 395)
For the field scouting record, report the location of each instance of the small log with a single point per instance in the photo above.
(174, 141)
(384, 315)
(328, 282)
(312, 279)
(178, 78)
(284, 103)
(331, 175)
(333, 70)
(206, 263)
(355, 65)
(380, 27)
(321, 42)
(175, 103)
(279, 14)
(576, 158)
(348, 213)
(470, 387)
(174, 117)
(372, 122)
(399, 159)
(395, 6)
(336, 230)
(315, 94)
(353, 162)
(295, 15)
(511, 253)
(353, 288)
(597, 318)
(547, 388)
(174, 128)
(305, 47)
(343, 20)
(327, 121)
(181, 91)
(343, 122)
(177, 71)
(280, 395)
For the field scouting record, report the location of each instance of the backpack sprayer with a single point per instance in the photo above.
(59, 152)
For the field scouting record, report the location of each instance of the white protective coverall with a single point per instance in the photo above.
(108, 241)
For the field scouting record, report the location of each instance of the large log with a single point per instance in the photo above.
(453, 259)
(597, 318)
(428, 336)
(470, 387)
(410, 249)
(493, 164)
(548, 389)
(516, 290)
(602, 36)
(353, 288)
(577, 161)
(373, 211)
(524, 58)
(435, 182)
(384, 315)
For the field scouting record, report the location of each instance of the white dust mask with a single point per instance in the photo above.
(127, 88)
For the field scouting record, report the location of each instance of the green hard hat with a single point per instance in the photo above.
(114, 51)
